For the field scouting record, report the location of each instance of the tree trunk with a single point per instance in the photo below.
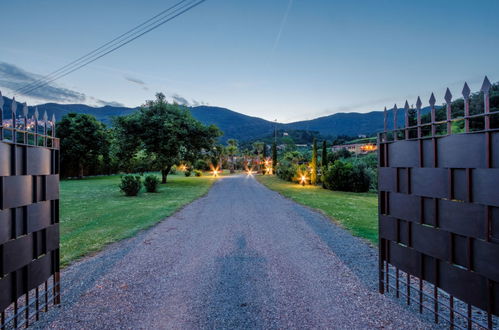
(164, 174)
(80, 171)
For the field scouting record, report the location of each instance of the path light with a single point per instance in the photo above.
(303, 179)
(183, 167)
(249, 171)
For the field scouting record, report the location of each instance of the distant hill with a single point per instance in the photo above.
(233, 124)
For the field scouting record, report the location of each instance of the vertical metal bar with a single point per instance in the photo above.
(466, 96)
(435, 291)
(1, 119)
(13, 109)
(26, 324)
(433, 115)
(408, 293)
(470, 317)
(381, 258)
(397, 282)
(486, 101)
(418, 109)
(406, 130)
(451, 311)
(420, 295)
(46, 296)
(448, 101)
(37, 303)
(385, 121)
(395, 133)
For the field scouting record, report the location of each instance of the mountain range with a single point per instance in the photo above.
(233, 124)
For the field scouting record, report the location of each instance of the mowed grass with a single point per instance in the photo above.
(357, 212)
(94, 213)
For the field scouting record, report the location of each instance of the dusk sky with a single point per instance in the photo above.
(275, 59)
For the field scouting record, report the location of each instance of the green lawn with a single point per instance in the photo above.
(356, 212)
(95, 213)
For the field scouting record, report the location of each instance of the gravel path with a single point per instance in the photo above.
(241, 257)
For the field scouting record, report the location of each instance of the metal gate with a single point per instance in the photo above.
(439, 212)
(29, 216)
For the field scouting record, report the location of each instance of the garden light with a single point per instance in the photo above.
(303, 180)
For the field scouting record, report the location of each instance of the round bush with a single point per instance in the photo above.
(198, 173)
(151, 183)
(130, 184)
(188, 173)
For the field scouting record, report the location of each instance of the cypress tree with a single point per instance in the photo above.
(324, 154)
(323, 161)
(274, 158)
(313, 175)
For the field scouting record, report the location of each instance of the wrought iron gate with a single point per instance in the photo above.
(29, 217)
(439, 212)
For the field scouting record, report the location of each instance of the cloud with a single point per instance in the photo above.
(137, 81)
(180, 100)
(13, 78)
(110, 103)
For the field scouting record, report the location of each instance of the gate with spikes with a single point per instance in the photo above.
(439, 209)
(29, 216)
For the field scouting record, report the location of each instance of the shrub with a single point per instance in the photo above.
(173, 170)
(202, 165)
(361, 181)
(151, 183)
(198, 173)
(345, 176)
(130, 184)
(286, 170)
(188, 173)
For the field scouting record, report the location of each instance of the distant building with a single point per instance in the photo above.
(356, 148)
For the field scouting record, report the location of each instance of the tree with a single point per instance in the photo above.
(168, 133)
(324, 153)
(83, 140)
(231, 152)
(323, 161)
(274, 158)
(313, 165)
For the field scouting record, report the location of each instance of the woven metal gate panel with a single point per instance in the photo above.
(29, 223)
(439, 220)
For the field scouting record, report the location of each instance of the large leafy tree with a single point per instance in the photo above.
(167, 132)
(83, 140)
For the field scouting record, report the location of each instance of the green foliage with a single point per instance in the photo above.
(274, 158)
(313, 164)
(151, 183)
(165, 131)
(345, 176)
(324, 153)
(198, 173)
(84, 143)
(202, 165)
(287, 170)
(188, 173)
(130, 184)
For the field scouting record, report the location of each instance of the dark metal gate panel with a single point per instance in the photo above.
(439, 214)
(29, 218)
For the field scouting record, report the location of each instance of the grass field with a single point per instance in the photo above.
(95, 213)
(355, 212)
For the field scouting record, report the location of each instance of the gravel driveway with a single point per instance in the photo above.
(240, 257)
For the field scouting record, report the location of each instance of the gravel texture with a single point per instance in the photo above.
(240, 257)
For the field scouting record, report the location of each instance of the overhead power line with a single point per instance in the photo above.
(116, 43)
